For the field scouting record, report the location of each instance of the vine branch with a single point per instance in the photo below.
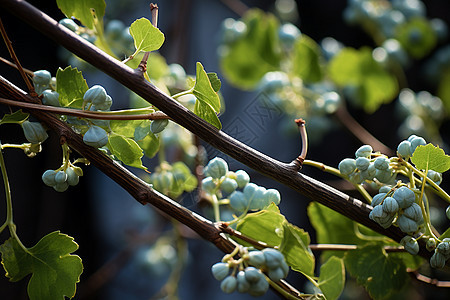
(285, 173)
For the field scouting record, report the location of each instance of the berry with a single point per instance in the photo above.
(431, 244)
(49, 177)
(114, 30)
(216, 168)
(273, 81)
(406, 224)
(60, 177)
(238, 201)
(414, 212)
(95, 137)
(50, 98)
(228, 185)
(381, 163)
(69, 23)
(105, 105)
(362, 163)
(364, 151)
(253, 275)
(34, 132)
(72, 177)
(377, 199)
(288, 34)
(256, 258)
(447, 212)
(347, 166)
(242, 178)
(385, 176)
(257, 200)
(384, 189)
(208, 185)
(436, 177)
(158, 125)
(390, 205)
(273, 257)
(404, 196)
(242, 284)
(96, 95)
(272, 196)
(220, 270)
(404, 150)
(61, 187)
(410, 244)
(276, 274)
(42, 77)
(415, 142)
(437, 261)
(259, 288)
(229, 284)
(443, 248)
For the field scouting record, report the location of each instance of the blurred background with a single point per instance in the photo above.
(122, 255)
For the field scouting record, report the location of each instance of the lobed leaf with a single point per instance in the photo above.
(206, 111)
(54, 271)
(126, 150)
(16, 117)
(294, 247)
(71, 87)
(305, 61)
(332, 278)
(204, 90)
(381, 274)
(358, 69)
(81, 10)
(430, 157)
(146, 36)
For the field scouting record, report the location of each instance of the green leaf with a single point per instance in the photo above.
(146, 36)
(16, 117)
(358, 69)
(126, 150)
(150, 145)
(265, 226)
(203, 89)
(71, 87)
(142, 131)
(294, 247)
(215, 81)
(332, 278)
(125, 127)
(430, 157)
(206, 111)
(81, 10)
(380, 273)
(417, 37)
(245, 61)
(305, 61)
(54, 270)
(333, 228)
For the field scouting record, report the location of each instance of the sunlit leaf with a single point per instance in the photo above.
(71, 87)
(430, 157)
(81, 10)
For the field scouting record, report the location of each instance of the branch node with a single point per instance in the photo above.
(298, 162)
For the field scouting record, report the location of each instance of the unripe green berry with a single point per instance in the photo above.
(220, 270)
(49, 177)
(34, 132)
(72, 177)
(50, 98)
(60, 177)
(216, 168)
(42, 77)
(95, 95)
(95, 137)
(242, 178)
(364, 151)
(229, 284)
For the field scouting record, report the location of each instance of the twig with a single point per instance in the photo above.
(14, 58)
(158, 115)
(360, 132)
(223, 226)
(338, 247)
(301, 158)
(283, 172)
(420, 277)
(5, 61)
(143, 64)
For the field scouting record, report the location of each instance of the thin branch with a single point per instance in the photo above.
(14, 57)
(285, 173)
(158, 115)
(13, 65)
(420, 277)
(301, 158)
(360, 132)
(338, 247)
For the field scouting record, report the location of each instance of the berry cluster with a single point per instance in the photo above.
(369, 166)
(401, 24)
(236, 186)
(247, 273)
(173, 180)
(43, 81)
(61, 178)
(418, 109)
(397, 203)
(441, 254)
